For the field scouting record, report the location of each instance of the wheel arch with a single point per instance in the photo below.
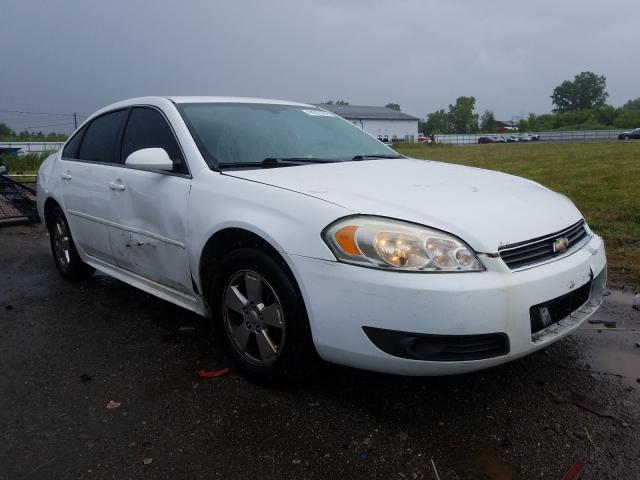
(228, 239)
(49, 204)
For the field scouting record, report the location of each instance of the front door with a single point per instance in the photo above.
(148, 228)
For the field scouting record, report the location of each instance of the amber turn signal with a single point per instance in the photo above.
(346, 239)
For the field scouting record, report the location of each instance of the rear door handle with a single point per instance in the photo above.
(65, 176)
(116, 186)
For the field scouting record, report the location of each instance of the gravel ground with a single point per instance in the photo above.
(70, 351)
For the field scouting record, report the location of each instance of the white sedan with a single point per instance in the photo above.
(303, 238)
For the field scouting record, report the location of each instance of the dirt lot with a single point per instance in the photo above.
(67, 350)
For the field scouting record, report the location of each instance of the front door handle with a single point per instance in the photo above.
(116, 186)
(65, 176)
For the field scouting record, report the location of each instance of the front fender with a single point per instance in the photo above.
(289, 221)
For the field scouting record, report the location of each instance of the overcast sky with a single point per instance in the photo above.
(79, 55)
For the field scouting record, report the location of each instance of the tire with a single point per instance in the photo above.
(63, 249)
(258, 315)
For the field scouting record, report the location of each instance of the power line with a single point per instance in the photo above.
(42, 113)
(38, 121)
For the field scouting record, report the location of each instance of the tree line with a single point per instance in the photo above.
(8, 135)
(579, 104)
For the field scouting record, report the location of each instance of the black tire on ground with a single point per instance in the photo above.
(296, 357)
(63, 249)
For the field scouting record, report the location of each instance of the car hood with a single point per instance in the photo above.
(486, 209)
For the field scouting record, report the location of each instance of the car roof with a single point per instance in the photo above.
(159, 101)
(202, 99)
(212, 99)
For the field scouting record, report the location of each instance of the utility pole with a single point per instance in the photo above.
(75, 120)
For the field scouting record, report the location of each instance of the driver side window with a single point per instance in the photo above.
(147, 128)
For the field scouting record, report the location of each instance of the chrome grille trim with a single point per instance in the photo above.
(540, 250)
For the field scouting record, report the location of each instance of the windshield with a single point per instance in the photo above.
(245, 135)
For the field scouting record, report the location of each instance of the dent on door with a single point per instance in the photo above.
(149, 227)
(154, 258)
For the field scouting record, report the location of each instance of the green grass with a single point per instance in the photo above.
(603, 179)
(24, 164)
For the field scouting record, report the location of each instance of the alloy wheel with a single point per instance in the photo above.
(254, 318)
(62, 243)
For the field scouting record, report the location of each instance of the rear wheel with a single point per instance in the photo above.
(65, 254)
(261, 319)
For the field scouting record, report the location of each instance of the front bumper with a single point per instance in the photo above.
(342, 299)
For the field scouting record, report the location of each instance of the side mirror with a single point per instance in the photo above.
(150, 159)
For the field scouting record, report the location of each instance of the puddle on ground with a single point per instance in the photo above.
(619, 298)
(614, 351)
(626, 365)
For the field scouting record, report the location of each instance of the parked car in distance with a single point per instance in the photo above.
(527, 137)
(485, 140)
(424, 139)
(301, 237)
(512, 139)
(384, 139)
(630, 134)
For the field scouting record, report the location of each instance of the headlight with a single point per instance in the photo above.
(396, 245)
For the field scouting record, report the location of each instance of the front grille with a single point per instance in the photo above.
(438, 348)
(531, 252)
(552, 311)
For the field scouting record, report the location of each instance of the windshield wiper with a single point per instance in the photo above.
(238, 165)
(280, 161)
(367, 157)
(273, 162)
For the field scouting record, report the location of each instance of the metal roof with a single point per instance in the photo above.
(360, 112)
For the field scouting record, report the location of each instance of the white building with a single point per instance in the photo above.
(381, 122)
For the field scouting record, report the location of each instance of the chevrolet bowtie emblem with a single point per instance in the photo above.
(560, 245)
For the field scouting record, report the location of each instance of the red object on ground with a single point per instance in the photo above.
(212, 373)
(574, 472)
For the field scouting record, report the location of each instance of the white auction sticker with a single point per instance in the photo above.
(318, 113)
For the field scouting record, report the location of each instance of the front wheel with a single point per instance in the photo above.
(65, 254)
(260, 316)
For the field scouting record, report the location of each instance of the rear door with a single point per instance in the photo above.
(85, 168)
(149, 208)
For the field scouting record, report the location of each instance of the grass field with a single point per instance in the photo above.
(603, 179)
(24, 164)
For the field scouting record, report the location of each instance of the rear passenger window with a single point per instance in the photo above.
(71, 148)
(100, 142)
(147, 128)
